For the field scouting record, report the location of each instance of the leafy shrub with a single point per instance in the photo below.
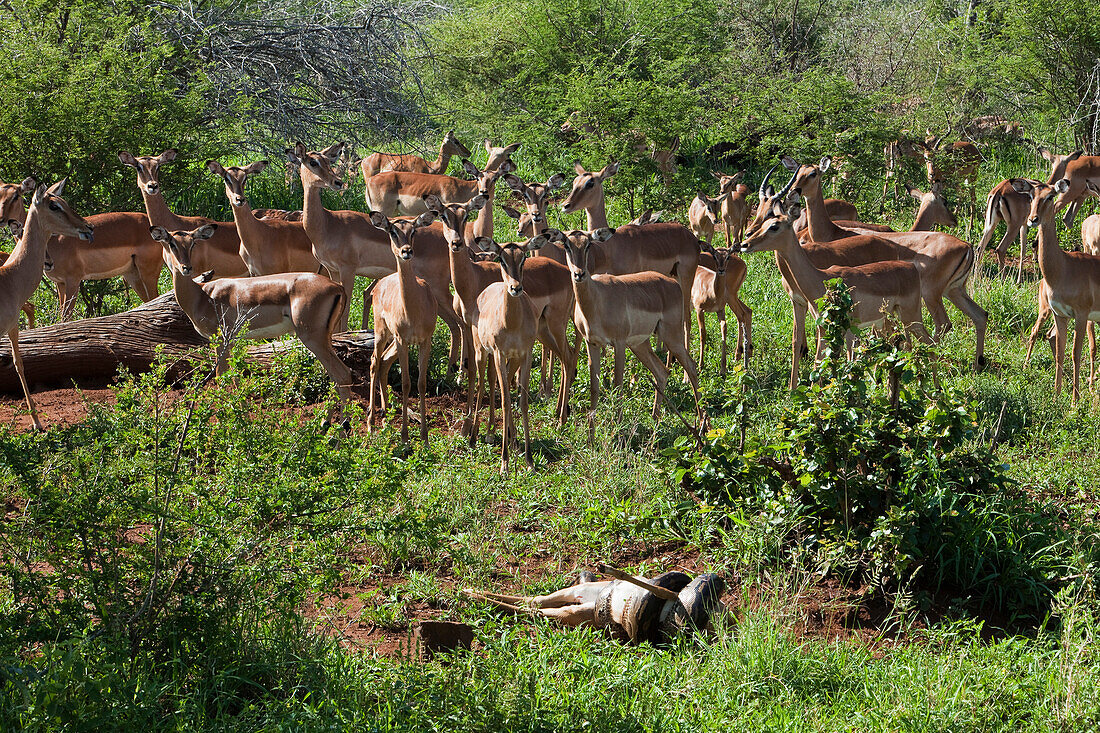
(875, 475)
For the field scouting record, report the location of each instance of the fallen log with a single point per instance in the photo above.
(91, 351)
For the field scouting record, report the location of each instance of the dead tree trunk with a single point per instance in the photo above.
(91, 351)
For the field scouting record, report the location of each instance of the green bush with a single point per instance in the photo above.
(876, 475)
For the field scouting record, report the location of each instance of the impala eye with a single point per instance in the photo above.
(313, 163)
(589, 184)
(774, 227)
(54, 207)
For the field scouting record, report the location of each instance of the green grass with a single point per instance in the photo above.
(410, 526)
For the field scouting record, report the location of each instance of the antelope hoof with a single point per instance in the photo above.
(981, 363)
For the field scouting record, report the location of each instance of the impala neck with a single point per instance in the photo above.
(156, 208)
(483, 226)
(194, 301)
(925, 220)
(441, 162)
(251, 230)
(597, 215)
(1052, 259)
(463, 276)
(23, 269)
(807, 279)
(822, 228)
(315, 217)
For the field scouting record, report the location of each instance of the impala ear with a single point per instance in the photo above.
(916, 192)
(555, 181)
(39, 194)
(168, 155)
(508, 150)
(297, 153)
(488, 146)
(127, 158)
(579, 168)
(608, 170)
(215, 167)
(825, 163)
(255, 168)
(511, 213)
(477, 203)
(28, 185)
(1046, 155)
(205, 277)
(14, 227)
(603, 234)
(160, 234)
(424, 220)
(706, 247)
(58, 188)
(795, 212)
(470, 168)
(514, 182)
(790, 163)
(379, 220)
(206, 231)
(1062, 185)
(333, 152)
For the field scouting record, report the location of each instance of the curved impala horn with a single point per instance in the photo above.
(764, 183)
(782, 195)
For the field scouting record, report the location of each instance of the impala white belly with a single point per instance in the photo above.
(273, 330)
(1062, 309)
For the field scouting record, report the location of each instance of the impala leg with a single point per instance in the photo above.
(13, 336)
(503, 379)
(406, 388)
(478, 391)
(490, 378)
(1060, 326)
(691, 372)
(1092, 353)
(1023, 252)
(446, 311)
(594, 354)
(1044, 311)
(524, 386)
(424, 356)
(722, 329)
(620, 363)
(644, 352)
(473, 379)
(798, 341)
(1079, 327)
(975, 313)
(701, 321)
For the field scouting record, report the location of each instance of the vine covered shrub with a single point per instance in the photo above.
(877, 475)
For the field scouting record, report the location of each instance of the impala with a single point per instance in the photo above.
(735, 205)
(717, 282)
(268, 246)
(546, 284)
(400, 191)
(504, 336)
(404, 316)
(879, 290)
(944, 261)
(1079, 169)
(1071, 280)
(122, 248)
(704, 213)
(623, 312)
(304, 303)
(667, 249)
(222, 253)
(378, 162)
(1006, 204)
(49, 215)
(349, 244)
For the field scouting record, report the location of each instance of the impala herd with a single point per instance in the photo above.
(431, 259)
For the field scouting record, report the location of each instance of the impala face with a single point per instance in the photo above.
(712, 205)
(401, 231)
(934, 205)
(57, 215)
(11, 200)
(587, 187)
(318, 165)
(497, 156)
(452, 146)
(179, 244)
(769, 197)
(727, 184)
(234, 178)
(721, 258)
(454, 217)
(776, 222)
(807, 176)
(1043, 200)
(536, 196)
(148, 168)
(511, 256)
(577, 244)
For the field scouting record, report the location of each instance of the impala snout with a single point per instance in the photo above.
(1032, 222)
(86, 232)
(186, 270)
(339, 184)
(152, 188)
(515, 290)
(406, 253)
